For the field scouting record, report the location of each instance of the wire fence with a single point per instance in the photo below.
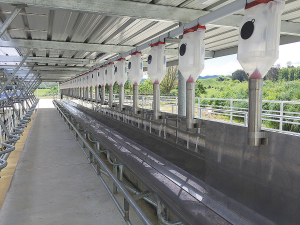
(276, 115)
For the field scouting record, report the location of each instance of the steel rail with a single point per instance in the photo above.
(122, 189)
(13, 137)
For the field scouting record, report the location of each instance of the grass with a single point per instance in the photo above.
(42, 92)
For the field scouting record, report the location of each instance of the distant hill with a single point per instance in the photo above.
(207, 77)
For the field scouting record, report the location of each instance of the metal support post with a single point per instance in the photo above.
(135, 103)
(110, 101)
(231, 108)
(181, 90)
(91, 93)
(255, 110)
(190, 104)
(102, 94)
(126, 210)
(115, 171)
(121, 97)
(10, 18)
(181, 95)
(156, 101)
(96, 94)
(281, 116)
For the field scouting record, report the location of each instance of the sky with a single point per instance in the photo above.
(226, 65)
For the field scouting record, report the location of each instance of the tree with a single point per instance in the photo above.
(146, 87)
(297, 74)
(289, 64)
(272, 74)
(283, 74)
(169, 81)
(239, 75)
(52, 92)
(199, 88)
(292, 73)
(222, 78)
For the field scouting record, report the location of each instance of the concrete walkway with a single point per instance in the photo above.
(53, 182)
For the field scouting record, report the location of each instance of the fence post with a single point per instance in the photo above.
(231, 108)
(246, 119)
(281, 116)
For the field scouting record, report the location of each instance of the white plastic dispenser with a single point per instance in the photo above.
(135, 75)
(102, 82)
(121, 78)
(258, 46)
(90, 78)
(156, 71)
(157, 62)
(192, 53)
(121, 71)
(101, 76)
(258, 49)
(135, 68)
(110, 75)
(191, 64)
(110, 78)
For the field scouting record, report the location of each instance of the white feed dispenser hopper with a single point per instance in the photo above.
(110, 75)
(121, 71)
(121, 78)
(192, 53)
(135, 68)
(191, 64)
(157, 62)
(135, 75)
(258, 49)
(258, 46)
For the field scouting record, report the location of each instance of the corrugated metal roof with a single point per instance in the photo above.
(35, 23)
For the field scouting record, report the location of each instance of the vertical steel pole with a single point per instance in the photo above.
(190, 104)
(255, 110)
(110, 101)
(96, 94)
(181, 90)
(102, 94)
(121, 96)
(281, 116)
(135, 103)
(91, 93)
(156, 101)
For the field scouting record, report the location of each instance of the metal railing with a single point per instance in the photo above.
(234, 111)
(119, 184)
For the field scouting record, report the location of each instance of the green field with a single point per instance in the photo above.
(42, 93)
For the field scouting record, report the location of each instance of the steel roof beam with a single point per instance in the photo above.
(124, 9)
(46, 60)
(10, 18)
(144, 11)
(68, 46)
(47, 68)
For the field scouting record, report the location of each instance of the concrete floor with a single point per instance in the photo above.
(53, 182)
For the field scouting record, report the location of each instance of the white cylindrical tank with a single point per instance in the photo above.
(81, 84)
(121, 71)
(258, 46)
(95, 78)
(85, 85)
(101, 76)
(192, 53)
(89, 78)
(135, 68)
(110, 74)
(157, 62)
